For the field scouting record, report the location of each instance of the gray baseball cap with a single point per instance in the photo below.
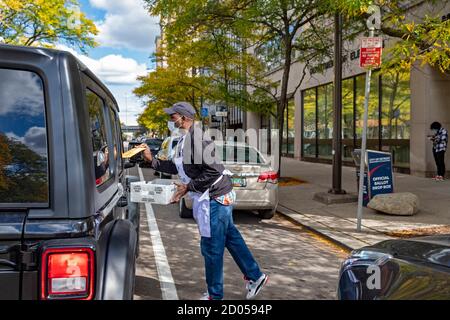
(182, 108)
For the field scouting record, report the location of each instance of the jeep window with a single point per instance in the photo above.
(116, 139)
(99, 137)
(23, 139)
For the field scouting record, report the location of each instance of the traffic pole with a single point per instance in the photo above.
(362, 164)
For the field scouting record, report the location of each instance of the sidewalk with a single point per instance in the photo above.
(338, 221)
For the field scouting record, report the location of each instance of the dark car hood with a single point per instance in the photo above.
(430, 249)
(443, 239)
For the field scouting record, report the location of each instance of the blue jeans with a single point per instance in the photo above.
(225, 234)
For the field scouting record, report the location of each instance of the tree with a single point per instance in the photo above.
(162, 88)
(5, 159)
(423, 38)
(26, 178)
(45, 23)
(254, 22)
(202, 63)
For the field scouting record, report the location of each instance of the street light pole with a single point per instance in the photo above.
(337, 97)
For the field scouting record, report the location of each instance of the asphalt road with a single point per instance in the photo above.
(300, 264)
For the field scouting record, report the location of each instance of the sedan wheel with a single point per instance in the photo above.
(184, 211)
(266, 214)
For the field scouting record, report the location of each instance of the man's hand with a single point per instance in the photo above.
(147, 153)
(181, 191)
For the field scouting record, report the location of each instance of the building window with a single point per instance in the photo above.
(325, 120)
(290, 127)
(348, 117)
(396, 116)
(266, 139)
(309, 123)
(373, 122)
(287, 149)
(388, 118)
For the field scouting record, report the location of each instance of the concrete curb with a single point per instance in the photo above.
(318, 233)
(341, 239)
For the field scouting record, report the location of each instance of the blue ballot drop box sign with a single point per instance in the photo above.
(380, 176)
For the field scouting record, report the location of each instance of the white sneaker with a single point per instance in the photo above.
(255, 287)
(206, 296)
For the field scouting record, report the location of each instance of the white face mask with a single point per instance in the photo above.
(171, 126)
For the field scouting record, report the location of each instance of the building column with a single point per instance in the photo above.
(429, 102)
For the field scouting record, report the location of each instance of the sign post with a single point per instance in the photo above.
(370, 58)
(357, 158)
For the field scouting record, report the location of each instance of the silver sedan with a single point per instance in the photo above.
(254, 180)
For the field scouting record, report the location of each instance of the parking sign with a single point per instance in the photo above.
(371, 50)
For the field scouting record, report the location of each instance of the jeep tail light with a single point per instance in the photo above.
(270, 177)
(67, 273)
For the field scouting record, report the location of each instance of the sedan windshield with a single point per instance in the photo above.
(239, 154)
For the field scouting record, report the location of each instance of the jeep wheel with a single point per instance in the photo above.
(185, 212)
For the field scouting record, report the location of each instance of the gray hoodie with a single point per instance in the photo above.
(202, 170)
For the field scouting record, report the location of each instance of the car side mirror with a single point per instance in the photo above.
(128, 165)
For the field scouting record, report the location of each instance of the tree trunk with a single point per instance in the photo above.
(283, 96)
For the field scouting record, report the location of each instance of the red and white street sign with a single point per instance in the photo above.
(370, 53)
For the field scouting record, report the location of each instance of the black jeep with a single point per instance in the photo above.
(67, 229)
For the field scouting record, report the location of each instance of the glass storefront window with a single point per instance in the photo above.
(325, 120)
(389, 117)
(287, 148)
(396, 116)
(396, 106)
(347, 119)
(372, 124)
(309, 123)
(267, 124)
(290, 127)
(373, 116)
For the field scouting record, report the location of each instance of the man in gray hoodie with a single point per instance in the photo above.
(210, 187)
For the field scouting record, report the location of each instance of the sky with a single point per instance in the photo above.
(126, 43)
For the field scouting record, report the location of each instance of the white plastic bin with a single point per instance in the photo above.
(158, 191)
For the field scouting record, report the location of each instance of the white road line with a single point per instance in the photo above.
(168, 289)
